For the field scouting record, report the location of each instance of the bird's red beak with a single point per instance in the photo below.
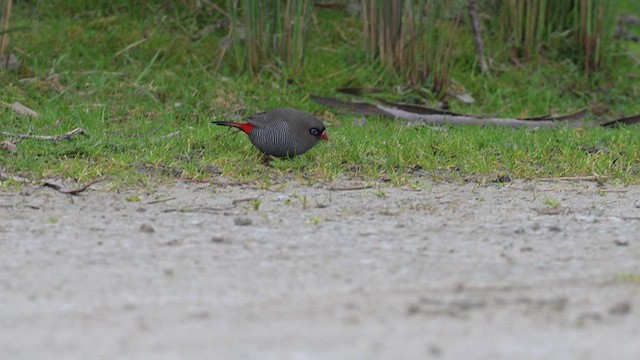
(324, 136)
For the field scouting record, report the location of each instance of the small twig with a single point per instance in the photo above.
(573, 178)
(168, 136)
(55, 124)
(160, 200)
(203, 209)
(69, 135)
(151, 132)
(100, 72)
(349, 188)
(130, 46)
(477, 37)
(60, 188)
(552, 211)
(238, 201)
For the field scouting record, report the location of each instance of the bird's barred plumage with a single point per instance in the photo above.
(282, 132)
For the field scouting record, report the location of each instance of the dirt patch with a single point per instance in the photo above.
(519, 270)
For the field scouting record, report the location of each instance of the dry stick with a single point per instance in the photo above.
(630, 217)
(161, 200)
(429, 119)
(477, 37)
(573, 178)
(238, 201)
(63, 190)
(350, 188)
(202, 209)
(70, 134)
(130, 46)
(438, 119)
(5, 26)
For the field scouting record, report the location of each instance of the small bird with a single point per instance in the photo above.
(282, 132)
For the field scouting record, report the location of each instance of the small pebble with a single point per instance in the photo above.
(217, 239)
(413, 309)
(621, 242)
(173, 242)
(146, 228)
(242, 221)
(622, 308)
(555, 228)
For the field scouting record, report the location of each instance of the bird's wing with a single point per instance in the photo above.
(259, 119)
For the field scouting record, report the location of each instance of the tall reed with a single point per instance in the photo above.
(530, 25)
(414, 39)
(269, 33)
(596, 21)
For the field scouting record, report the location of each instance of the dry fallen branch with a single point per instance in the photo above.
(425, 115)
(69, 135)
(429, 119)
(418, 109)
(578, 115)
(430, 116)
(437, 119)
(624, 121)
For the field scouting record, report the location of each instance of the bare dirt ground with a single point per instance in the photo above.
(453, 271)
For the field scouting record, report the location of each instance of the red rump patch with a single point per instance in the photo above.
(244, 127)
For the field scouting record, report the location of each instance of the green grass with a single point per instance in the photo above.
(169, 83)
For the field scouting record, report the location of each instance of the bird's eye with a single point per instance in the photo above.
(314, 132)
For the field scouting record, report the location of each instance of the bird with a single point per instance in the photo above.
(282, 133)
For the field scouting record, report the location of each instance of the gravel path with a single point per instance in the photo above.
(451, 271)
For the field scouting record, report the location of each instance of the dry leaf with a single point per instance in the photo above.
(23, 110)
(464, 97)
(9, 146)
(10, 62)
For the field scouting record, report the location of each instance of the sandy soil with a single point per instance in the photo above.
(452, 271)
